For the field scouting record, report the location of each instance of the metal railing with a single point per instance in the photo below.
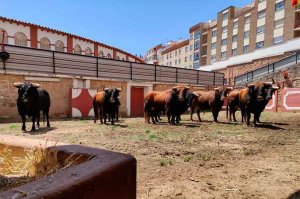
(268, 69)
(52, 62)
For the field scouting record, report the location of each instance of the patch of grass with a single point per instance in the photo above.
(13, 126)
(188, 159)
(153, 137)
(148, 131)
(165, 162)
(207, 156)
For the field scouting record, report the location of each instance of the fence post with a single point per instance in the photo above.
(53, 61)
(176, 75)
(214, 78)
(268, 68)
(97, 67)
(197, 76)
(130, 71)
(273, 67)
(247, 77)
(155, 72)
(252, 75)
(296, 58)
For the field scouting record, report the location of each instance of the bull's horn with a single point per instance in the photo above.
(35, 85)
(119, 97)
(174, 87)
(187, 87)
(268, 83)
(230, 88)
(275, 87)
(196, 94)
(119, 89)
(17, 84)
(105, 89)
(250, 85)
(216, 89)
(273, 81)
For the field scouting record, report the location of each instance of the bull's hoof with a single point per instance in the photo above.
(32, 130)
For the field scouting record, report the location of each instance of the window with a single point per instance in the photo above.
(108, 55)
(260, 29)
(260, 44)
(167, 56)
(214, 33)
(279, 23)
(234, 38)
(247, 34)
(196, 56)
(45, 43)
(197, 35)
(185, 59)
(224, 42)
(278, 40)
(223, 55)
(247, 20)
(20, 39)
(101, 54)
(225, 16)
(261, 14)
(224, 29)
(186, 49)
(213, 58)
(179, 52)
(59, 46)
(261, 1)
(5, 36)
(170, 54)
(191, 47)
(213, 45)
(234, 52)
(77, 50)
(176, 53)
(246, 49)
(179, 61)
(197, 45)
(196, 65)
(191, 57)
(175, 62)
(235, 24)
(279, 6)
(191, 37)
(88, 51)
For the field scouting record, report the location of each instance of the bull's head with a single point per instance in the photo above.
(27, 91)
(263, 90)
(271, 87)
(180, 92)
(223, 92)
(115, 95)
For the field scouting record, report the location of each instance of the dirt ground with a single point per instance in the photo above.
(195, 160)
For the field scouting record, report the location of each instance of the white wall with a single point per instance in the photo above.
(53, 37)
(11, 30)
(83, 45)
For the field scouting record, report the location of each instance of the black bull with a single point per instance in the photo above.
(31, 100)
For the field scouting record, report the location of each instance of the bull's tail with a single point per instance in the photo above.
(227, 110)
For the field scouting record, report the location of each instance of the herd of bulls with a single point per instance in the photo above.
(174, 102)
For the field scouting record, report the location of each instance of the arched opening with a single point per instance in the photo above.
(77, 49)
(108, 55)
(45, 43)
(20, 39)
(88, 51)
(59, 46)
(101, 54)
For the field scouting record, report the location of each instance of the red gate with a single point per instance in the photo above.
(137, 101)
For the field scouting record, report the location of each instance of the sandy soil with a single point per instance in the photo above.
(195, 160)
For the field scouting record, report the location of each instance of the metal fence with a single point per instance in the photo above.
(268, 69)
(45, 61)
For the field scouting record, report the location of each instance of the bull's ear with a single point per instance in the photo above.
(35, 85)
(250, 85)
(17, 84)
(273, 81)
(195, 94)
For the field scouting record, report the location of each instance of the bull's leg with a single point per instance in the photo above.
(243, 114)
(101, 115)
(233, 114)
(112, 117)
(256, 117)
(33, 123)
(23, 121)
(215, 115)
(47, 116)
(191, 114)
(248, 118)
(96, 113)
(198, 114)
(38, 120)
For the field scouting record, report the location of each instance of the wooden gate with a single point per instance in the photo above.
(137, 101)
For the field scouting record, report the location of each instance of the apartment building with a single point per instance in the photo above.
(153, 55)
(264, 28)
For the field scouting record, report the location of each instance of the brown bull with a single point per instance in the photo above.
(209, 100)
(168, 101)
(233, 103)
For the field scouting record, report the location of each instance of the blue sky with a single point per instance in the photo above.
(131, 25)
